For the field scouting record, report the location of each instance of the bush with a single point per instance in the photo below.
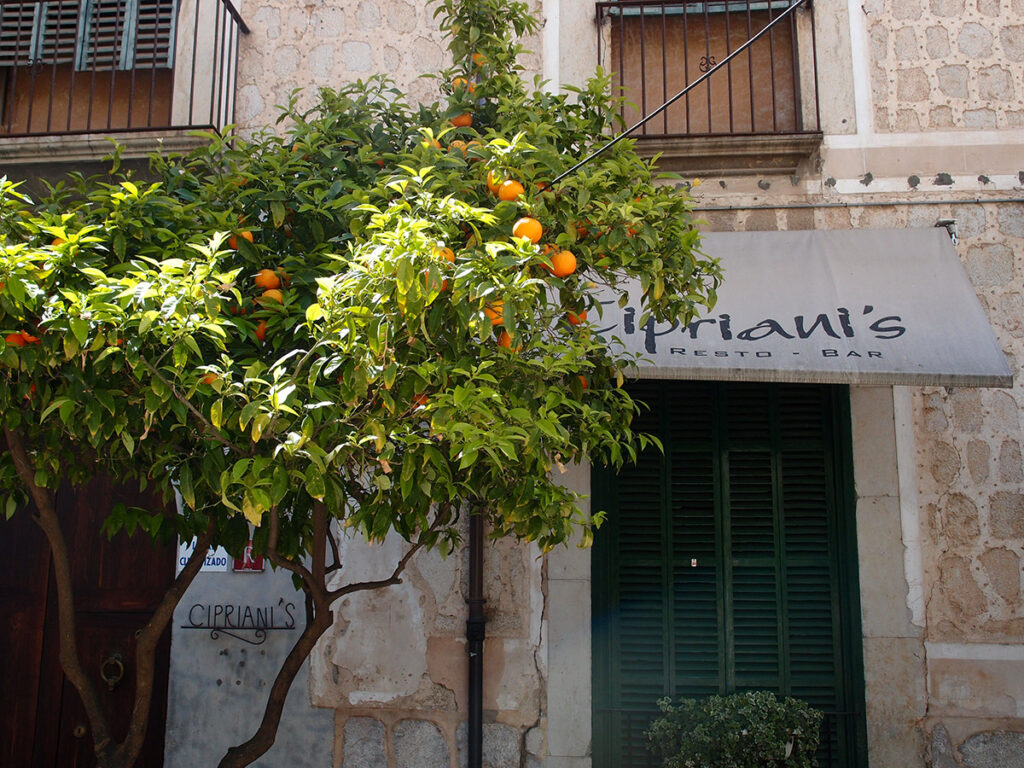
(754, 729)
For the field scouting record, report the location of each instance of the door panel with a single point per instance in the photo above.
(745, 587)
(117, 583)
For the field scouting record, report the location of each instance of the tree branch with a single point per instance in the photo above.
(145, 648)
(48, 520)
(212, 430)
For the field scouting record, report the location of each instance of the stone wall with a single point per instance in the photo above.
(395, 665)
(942, 64)
(332, 43)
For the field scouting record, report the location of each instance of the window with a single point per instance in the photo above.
(725, 563)
(656, 48)
(92, 34)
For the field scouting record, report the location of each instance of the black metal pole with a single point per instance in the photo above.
(475, 632)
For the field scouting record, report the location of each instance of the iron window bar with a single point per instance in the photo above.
(786, 14)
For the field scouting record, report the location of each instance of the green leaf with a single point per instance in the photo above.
(148, 318)
(314, 312)
(188, 493)
(315, 485)
(259, 424)
(278, 212)
(80, 328)
(217, 413)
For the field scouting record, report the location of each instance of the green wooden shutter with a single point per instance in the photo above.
(721, 567)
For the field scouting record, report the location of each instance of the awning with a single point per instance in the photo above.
(828, 306)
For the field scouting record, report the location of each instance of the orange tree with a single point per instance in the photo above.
(335, 327)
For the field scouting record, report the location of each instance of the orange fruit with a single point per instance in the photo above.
(574, 318)
(272, 294)
(563, 264)
(493, 182)
(58, 241)
(463, 121)
(529, 228)
(267, 278)
(444, 253)
(496, 311)
(510, 190)
(479, 59)
(233, 240)
(420, 400)
(209, 378)
(583, 381)
(261, 330)
(15, 340)
(426, 282)
(461, 82)
(28, 338)
(458, 144)
(505, 340)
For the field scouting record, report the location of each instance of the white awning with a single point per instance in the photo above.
(828, 306)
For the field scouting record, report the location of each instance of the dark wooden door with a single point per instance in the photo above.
(117, 584)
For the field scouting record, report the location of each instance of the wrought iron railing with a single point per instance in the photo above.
(657, 47)
(111, 66)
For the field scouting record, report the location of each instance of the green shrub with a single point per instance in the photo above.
(755, 729)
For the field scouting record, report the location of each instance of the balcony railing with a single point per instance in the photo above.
(657, 47)
(113, 66)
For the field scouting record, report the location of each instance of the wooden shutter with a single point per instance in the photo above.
(720, 566)
(154, 34)
(44, 33)
(127, 34)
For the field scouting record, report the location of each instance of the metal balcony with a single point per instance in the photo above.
(768, 93)
(116, 66)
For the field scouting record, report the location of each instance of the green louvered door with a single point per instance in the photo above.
(728, 563)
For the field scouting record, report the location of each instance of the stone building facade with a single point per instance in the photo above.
(921, 107)
(918, 118)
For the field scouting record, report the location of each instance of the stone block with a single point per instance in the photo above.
(569, 668)
(1002, 567)
(1011, 220)
(501, 748)
(874, 441)
(799, 219)
(321, 62)
(908, 121)
(364, 745)
(401, 16)
(947, 8)
(1004, 413)
(995, 83)
(959, 517)
(420, 744)
(968, 414)
(990, 264)
(1006, 515)
(942, 749)
(975, 41)
(286, 60)
(937, 42)
(357, 56)
(1011, 466)
(1012, 40)
(883, 584)
(941, 117)
(896, 699)
(367, 15)
(971, 220)
(945, 462)
(995, 749)
(988, 7)
(912, 85)
(907, 9)
(906, 45)
(980, 118)
(761, 221)
(978, 455)
(959, 588)
(953, 80)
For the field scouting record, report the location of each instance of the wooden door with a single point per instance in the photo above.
(117, 584)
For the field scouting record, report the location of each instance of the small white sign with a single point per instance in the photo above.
(217, 560)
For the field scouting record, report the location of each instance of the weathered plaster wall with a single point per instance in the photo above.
(394, 666)
(219, 685)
